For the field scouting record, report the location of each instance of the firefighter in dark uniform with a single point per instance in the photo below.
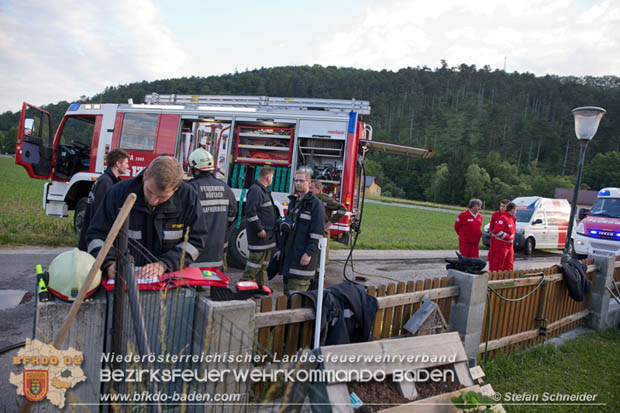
(301, 248)
(261, 215)
(165, 208)
(219, 208)
(118, 164)
(334, 210)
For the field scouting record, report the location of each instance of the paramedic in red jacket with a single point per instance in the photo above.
(468, 226)
(504, 235)
(494, 219)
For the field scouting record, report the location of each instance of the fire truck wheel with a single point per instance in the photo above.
(78, 218)
(238, 246)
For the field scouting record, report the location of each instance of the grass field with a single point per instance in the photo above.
(393, 227)
(23, 221)
(390, 200)
(586, 364)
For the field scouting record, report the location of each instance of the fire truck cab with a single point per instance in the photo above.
(243, 133)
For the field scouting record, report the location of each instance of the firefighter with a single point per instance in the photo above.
(306, 218)
(468, 226)
(261, 214)
(118, 164)
(334, 210)
(165, 209)
(494, 219)
(219, 208)
(503, 247)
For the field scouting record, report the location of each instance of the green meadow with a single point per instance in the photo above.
(22, 219)
(384, 226)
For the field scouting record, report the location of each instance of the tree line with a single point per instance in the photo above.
(496, 134)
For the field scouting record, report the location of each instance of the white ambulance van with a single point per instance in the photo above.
(542, 223)
(599, 230)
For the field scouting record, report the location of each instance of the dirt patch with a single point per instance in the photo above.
(430, 388)
(379, 395)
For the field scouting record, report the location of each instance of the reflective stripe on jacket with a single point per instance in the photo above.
(261, 214)
(505, 229)
(219, 209)
(309, 217)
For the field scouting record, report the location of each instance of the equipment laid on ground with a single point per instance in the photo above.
(242, 291)
(202, 278)
(187, 277)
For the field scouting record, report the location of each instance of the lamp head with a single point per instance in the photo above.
(587, 119)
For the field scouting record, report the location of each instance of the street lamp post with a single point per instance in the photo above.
(587, 119)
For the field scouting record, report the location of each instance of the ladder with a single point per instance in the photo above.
(262, 103)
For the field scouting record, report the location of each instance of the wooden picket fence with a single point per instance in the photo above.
(284, 328)
(533, 309)
(516, 321)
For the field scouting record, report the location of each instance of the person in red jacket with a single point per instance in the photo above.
(494, 219)
(504, 234)
(468, 226)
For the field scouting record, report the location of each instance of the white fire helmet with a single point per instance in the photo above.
(201, 159)
(68, 272)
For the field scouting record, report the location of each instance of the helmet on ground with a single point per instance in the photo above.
(202, 160)
(68, 272)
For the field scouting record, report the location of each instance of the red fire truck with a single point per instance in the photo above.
(243, 133)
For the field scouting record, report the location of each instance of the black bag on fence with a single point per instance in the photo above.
(575, 279)
(466, 264)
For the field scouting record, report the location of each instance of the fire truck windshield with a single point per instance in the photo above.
(606, 207)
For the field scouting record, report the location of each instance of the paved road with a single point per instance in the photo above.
(17, 277)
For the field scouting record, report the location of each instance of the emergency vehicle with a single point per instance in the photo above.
(598, 231)
(243, 133)
(541, 223)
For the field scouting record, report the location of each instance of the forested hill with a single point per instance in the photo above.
(496, 134)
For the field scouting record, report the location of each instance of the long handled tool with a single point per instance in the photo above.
(75, 307)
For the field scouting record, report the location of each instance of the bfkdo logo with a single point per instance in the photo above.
(36, 384)
(47, 372)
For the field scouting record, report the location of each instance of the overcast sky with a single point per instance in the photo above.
(62, 49)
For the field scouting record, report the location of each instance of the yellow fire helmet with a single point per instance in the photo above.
(68, 272)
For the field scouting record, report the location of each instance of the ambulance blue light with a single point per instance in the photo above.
(74, 106)
(604, 192)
